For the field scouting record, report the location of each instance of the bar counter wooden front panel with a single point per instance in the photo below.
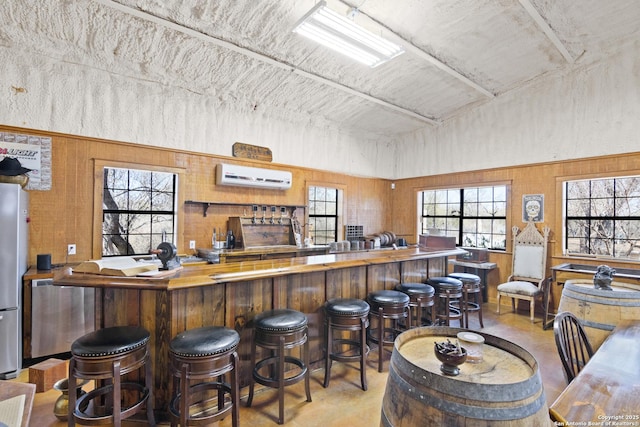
(196, 299)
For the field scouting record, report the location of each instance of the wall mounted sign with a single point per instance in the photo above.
(533, 208)
(247, 151)
(33, 152)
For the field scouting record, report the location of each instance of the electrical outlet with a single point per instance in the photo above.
(71, 249)
(192, 244)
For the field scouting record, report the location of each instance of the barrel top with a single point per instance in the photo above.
(617, 288)
(499, 365)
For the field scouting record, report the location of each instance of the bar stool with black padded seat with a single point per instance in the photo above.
(278, 330)
(205, 355)
(386, 305)
(105, 356)
(421, 297)
(346, 314)
(471, 289)
(449, 293)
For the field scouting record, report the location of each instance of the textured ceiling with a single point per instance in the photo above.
(459, 53)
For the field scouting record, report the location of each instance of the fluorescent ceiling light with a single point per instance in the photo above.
(341, 34)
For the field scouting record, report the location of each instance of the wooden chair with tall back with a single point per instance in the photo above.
(528, 272)
(573, 344)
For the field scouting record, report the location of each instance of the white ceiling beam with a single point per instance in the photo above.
(410, 47)
(260, 57)
(551, 35)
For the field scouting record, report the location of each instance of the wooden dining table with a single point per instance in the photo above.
(607, 390)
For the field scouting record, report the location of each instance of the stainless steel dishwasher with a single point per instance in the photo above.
(59, 315)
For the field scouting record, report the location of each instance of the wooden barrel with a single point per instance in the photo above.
(599, 311)
(505, 389)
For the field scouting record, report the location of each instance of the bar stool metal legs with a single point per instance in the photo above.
(279, 330)
(106, 355)
(346, 314)
(204, 354)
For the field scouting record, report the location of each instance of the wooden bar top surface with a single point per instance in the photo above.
(210, 274)
(608, 387)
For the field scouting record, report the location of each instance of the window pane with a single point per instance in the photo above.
(577, 246)
(470, 209)
(602, 188)
(162, 181)
(162, 201)
(500, 227)
(470, 226)
(130, 196)
(323, 214)
(578, 207)
(578, 190)
(603, 217)
(471, 195)
(500, 208)
(602, 207)
(485, 194)
(461, 213)
(486, 209)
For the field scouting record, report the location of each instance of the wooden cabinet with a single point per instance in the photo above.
(260, 232)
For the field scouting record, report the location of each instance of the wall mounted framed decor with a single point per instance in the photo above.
(33, 152)
(533, 208)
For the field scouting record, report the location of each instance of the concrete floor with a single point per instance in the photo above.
(344, 403)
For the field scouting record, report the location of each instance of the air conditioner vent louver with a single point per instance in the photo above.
(244, 176)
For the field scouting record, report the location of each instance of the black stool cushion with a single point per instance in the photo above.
(445, 283)
(416, 289)
(110, 341)
(346, 307)
(388, 297)
(466, 277)
(205, 341)
(280, 320)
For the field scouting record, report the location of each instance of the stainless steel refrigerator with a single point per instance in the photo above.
(14, 237)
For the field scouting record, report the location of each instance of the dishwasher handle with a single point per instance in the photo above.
(41, 282)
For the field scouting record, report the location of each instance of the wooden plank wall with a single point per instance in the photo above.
(64, 214)
(543, 178)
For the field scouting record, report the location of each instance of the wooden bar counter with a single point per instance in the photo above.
(233, 294)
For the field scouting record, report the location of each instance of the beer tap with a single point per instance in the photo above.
(255, 212)
(264, 214)
(273, 215)
(282, 215)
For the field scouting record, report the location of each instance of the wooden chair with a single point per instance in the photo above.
(11, 389)
(529, 263)
(573, 344)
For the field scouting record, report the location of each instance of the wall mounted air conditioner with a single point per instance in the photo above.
(244, 176)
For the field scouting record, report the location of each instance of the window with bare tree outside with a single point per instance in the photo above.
(602, 217)
(323, 214)
(138, 210)
(475, 216)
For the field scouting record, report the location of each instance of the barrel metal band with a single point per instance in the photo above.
(619, 300)
(596, 325)
(469, 411)
(489, 392)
